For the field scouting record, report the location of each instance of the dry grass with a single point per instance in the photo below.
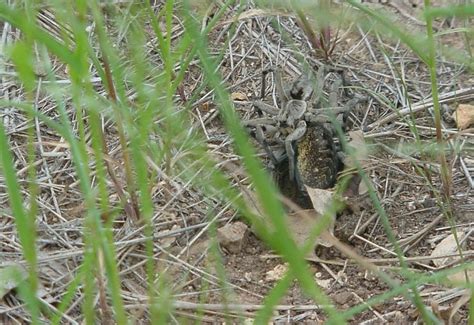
(406, 180)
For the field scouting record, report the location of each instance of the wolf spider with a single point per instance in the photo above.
(297, 121)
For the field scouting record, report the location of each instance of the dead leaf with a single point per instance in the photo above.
(301, 223)
(321, 199)
(363, 189)
(464, 299)
(458, 279)
(10, 278)
(166, 242)
(360, 154)
(238, 96)
(464, 116)
(441, 312)
(447, 246)
(360, 150)
(252, 201)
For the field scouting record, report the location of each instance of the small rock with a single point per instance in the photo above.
(248, 276)
(399, 318)
(343, 297)
(232, 236)
(464, 116)
(324, 283)
(428, 202)
(277, 273)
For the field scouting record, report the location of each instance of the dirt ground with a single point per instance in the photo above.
(407, 185)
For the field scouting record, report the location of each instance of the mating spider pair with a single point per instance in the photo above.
(299, 128)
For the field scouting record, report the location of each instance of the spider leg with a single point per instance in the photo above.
(259, 121)
(266, 108)
(345, 84)
(290, 152)
(318, 89)
(341, 158)
(260, 136)
(282, 94)
(349, 107)
(342, 75)
(263, 86)
(334, 93)
(297, 134)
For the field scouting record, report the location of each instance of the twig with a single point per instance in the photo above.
(464, 94)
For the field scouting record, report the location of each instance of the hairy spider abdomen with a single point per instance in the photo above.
(317, 163)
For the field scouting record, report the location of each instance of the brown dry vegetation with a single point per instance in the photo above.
(372, 62)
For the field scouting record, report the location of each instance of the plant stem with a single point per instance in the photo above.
(431, 62)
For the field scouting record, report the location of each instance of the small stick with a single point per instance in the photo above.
(457, 95)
